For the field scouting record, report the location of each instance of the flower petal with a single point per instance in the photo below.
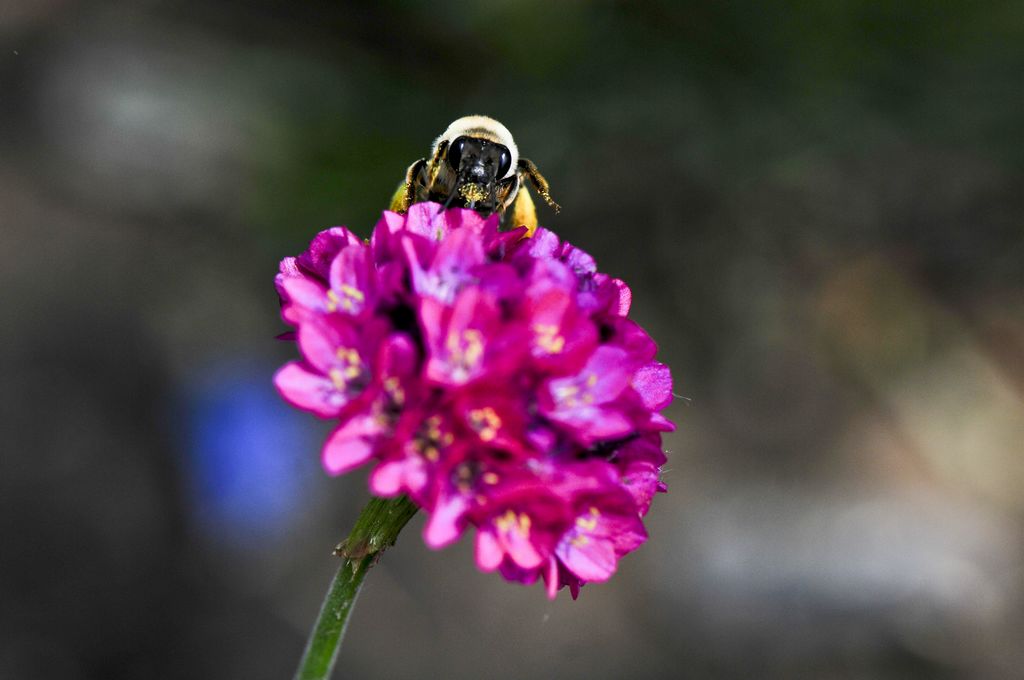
(350, 445)
(308, 390)
(591, 561)
(323, 248)
(489, 552)
(386, 479)
(352, 283)
(306, 293)
(446, 523)
(653, 383)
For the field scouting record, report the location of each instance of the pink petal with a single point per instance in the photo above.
(386, 478)
(390, 222)
(353, 269)
(634, 340)
(305, 293)
(398, 356)
(350, 445)
(593, 561)
(446, 523)
(427, 219)
(324, 247)
(591, 423)
(574, 588)
(489, 552)
(318, 346)
(288, 267)
(551, 578)
(431, 313)
(522, 551)
(608, 364)
(654, 384)
(464, 218)
(625, 297)
(659, 423)
(307, 390)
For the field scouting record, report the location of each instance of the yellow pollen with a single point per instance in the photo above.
(589, 523)
(579, 541)
(332, 301)
(465, 349)
(505, 522)
(353, 293)
(431, 438)
(564, 391)
(474, 345)
(490, 478)
(548, 338)
(337, 378)
(349, 356)
(486, 422)
(473, 192)
(591, 379)
(511, 521)
(567, 395)
(394, 390)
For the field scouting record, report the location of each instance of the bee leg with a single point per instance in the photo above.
(437, 163)
(506, 192)
(537, 180)
(405, 195)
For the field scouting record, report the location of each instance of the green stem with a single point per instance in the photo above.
(376, 529)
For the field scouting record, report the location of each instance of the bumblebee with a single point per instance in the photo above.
(475, 164)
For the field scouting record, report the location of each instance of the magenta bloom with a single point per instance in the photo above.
(494, 378)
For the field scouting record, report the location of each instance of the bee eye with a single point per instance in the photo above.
(455, 152)
(504, 161)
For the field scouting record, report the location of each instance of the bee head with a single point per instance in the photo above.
(475, 164)
(479, 149)
(477, 160)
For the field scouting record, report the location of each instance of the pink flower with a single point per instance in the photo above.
(495, 379)
(585, 404)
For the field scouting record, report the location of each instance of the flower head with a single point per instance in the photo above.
(494, 378)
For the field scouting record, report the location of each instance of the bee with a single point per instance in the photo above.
(475, 164)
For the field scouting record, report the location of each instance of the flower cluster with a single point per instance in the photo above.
(494, 377)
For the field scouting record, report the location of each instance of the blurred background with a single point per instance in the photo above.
(819, 207)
